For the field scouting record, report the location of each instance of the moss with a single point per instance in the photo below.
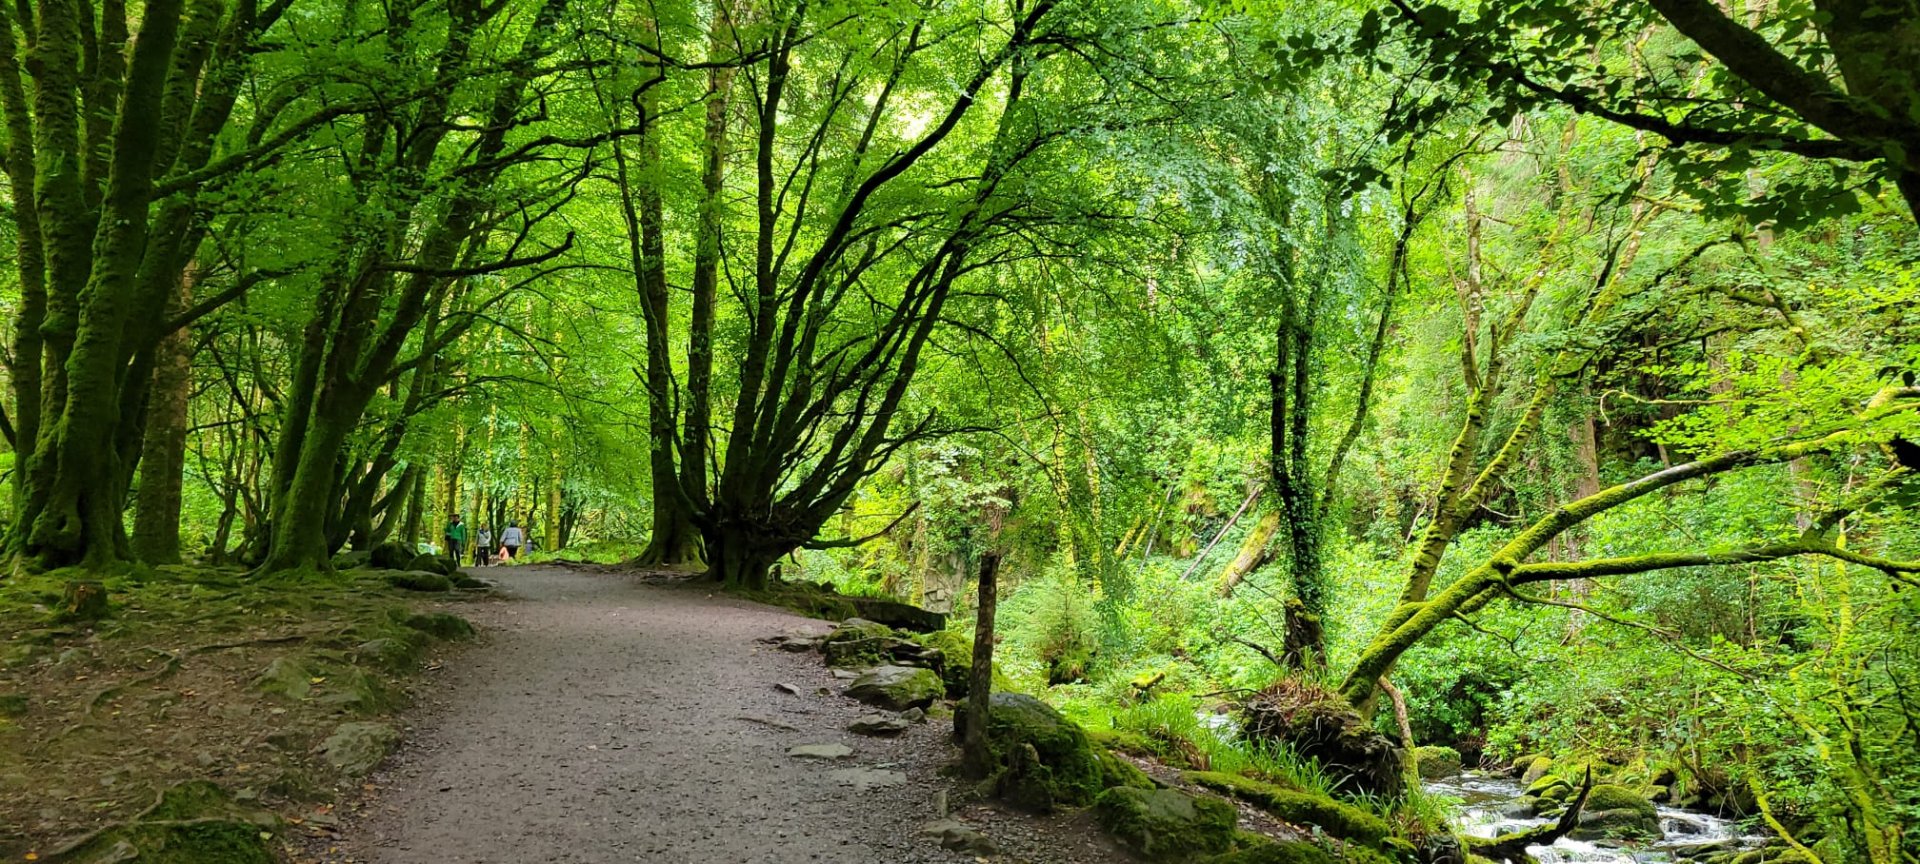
(1116, 771)
(1258, 849)
(1123, 741)
(1546, 784)
(1166, 824)
(1608, 796)
(193, 823)
(285, 676)
(956, 653)
(1536, 768)
(1435, 762)
(420, 580)
(1299, 808)
(440, 625)
(1045, 759)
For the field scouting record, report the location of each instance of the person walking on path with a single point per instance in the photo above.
(482, 547)
(456, 537)
(511, 539)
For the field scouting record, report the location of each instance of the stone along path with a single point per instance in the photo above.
(606, 720)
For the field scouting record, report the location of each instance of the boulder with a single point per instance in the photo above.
(1618, 814)
(432, 564)
(1322, 726)
(391, 556)
(897, 688)
(1536, 768)
(352, 559)
(1166, 824)
(820, 751)
(420, 580)
(1044, 760)
(894, 613)
(1117, 771)
(440, 625)
(393, 653)
(1436, 762)
(356, 748)
(956, 654)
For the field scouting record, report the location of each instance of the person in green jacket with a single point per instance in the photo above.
(456, 536)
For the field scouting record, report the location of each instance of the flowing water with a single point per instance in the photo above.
(1485, 800)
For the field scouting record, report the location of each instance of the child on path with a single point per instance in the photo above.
(483, 547)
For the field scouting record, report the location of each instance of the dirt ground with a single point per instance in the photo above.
(609, 718)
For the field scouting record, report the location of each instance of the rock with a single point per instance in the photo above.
(844, 674)
(959, 837)
(394, 654)
(1619, 814)
(420, 580)
(1257, 849)
(1549, 787)
(352, 559)
(956, 653)
(83, 600)
(440, 625)
(1322, 726)
(1045, 760)
(356, 748)
(1334, 818)
(866, 778)
(1436, 762)
(880, 724)
(285, 676)
(897, 688)
(432, 564)
(786, 688)
(1166, 824)
(1117, 771)
(391, 556)
(354, 689)
(820, 751)
(1536, 768)
(913, 715)
(465, 582)
(796, 643)
(894, 613)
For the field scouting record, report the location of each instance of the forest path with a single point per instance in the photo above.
(604, 719)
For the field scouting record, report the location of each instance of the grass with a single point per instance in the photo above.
(1173, 723)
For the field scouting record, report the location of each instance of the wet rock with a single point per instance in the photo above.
(959, 837)
(1535, 768)
(879, 724)
(1166, 824)
(354, 749)
(1616, 813)
(820, 751)
(897, 688)
(420, 580)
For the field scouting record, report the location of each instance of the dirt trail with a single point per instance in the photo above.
(607, 720)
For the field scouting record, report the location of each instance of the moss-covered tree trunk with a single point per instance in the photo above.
(976, 757)
(156, 516)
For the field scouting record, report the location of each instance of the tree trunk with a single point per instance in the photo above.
(976, 758)
(156, 518)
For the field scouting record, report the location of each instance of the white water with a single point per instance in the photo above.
(1483, 797)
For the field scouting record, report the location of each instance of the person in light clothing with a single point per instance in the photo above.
(512, 539)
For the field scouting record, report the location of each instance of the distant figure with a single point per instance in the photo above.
(511, 539)
(456, 537)
(483, 547)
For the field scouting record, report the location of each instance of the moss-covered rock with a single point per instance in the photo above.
(1167, 824)
(1549, 787)
(1265, 851)
(356, 748)
(1044, 759)
(1117, 771)
(440, 625)
(285, 676)
(897, 688)
(956, 653)
(1536, 767)
(1619, 814)
(1436, 762)
(396, 653)
(391, 556)
(1123, 741)
(420, 580)
(352, 558)
(430, 563)
(1299, 808)
(856, 642)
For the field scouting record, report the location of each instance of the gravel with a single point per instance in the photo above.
(610, 718)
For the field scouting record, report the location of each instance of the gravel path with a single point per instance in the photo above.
(604, 719)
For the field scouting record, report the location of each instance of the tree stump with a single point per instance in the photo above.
(83, 600)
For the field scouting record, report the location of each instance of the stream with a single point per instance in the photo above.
(1485, 799)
